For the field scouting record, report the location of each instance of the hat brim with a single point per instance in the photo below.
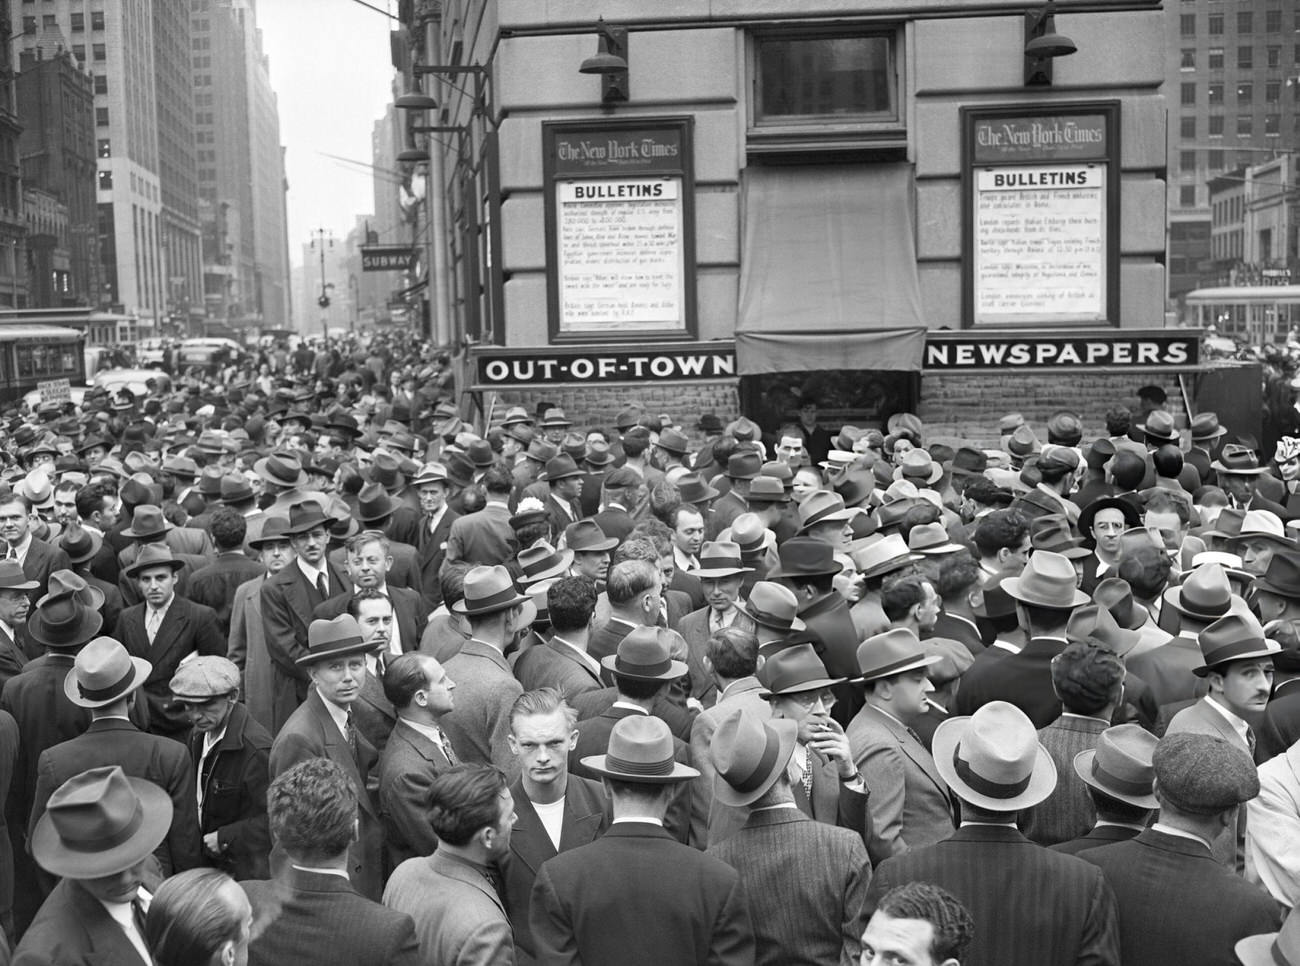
(87, 631)
(600, 546)
(718, 573)
(787, 734)
(355, 647)
(1171, 595)
(1042, 780)
(889, 670)
(51, 855)
(680, 772)
(21, 585)
(816, 684)
(140, 669)
(838, 516)
(460, 607)
(135, 568)
(676, 669)
(135, 535)
(259, 467)
(1257, 950)
(778, 571)
(1083, 768)
(1259, 652)
(796, 625)
(893, 563)
(943, 548)
(934, 476)
(1218, 467)
(559, 570)
(1012, 587)
(1238, 538)
(1214, 435)
(1292, 593)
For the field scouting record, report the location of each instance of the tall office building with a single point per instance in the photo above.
(13, 275)
(1233, 88)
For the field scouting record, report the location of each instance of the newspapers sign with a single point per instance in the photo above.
(1075, 350)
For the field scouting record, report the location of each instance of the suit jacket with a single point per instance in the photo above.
(373, 715)
(310, 732)
(586, 908)
(13, 653)
(42, 560)
(234, 798)
(694, 627)
(1279, 728)
(166, 763)
(833, 634)
(1095, 839)
(74, 929)
(1024, 679)
(214, 585)
(605, 638)
(560, 513)
(407, 767)
(1003, 879)
(459, 918)
(1177, 905)
(288, 600)
(307, 915)
(555, 665)
(1274, 827)
(485, 692)
(113, 605)
(592, 704)
(431, 550)
(410, 613)
(742, 693)
(909, 804)
(404, 572)
(1167, 670)
(187, 628)
(1200, 718)
(247, 648)
(805, 882)
(484, 537)
(616, 522)
(726, 508)
(1068, 812)
(956, 629)
(586, 817)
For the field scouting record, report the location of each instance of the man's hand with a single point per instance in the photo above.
(829, 738)
(211, 843)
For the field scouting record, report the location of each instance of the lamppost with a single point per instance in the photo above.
(319, 241)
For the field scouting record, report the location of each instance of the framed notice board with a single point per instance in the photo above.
(620, 229)
(1041, 198)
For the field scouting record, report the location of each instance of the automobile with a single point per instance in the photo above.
(149, 353)
(201, 352)
(133, 379)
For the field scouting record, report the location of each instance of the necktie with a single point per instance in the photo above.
(350, 733)
(322, 586)
(152, 624)
(446, 748)
(1250, 741)
(11, 553)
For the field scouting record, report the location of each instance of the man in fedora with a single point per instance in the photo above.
(97, 837)
(436, 517)
(247, 641)
(214, 585)
(1119, 779)
(742, 468)
(289, 599)
(1238, 670)
(485, 538)
(150, 527)
(313, 908)
(643, 671)
(485, 686)
(322, 727)
(721, 574)
(1102, 522)
(1238, 470)
(909, 802)
(620, 489)
(804, 881)
(563, 662)
(376, 510)
(1176, 904)
(585, 905)
(1205, 433)
(15, 605)
(165, 628)
(84, 548)
(590, 549)
(17, 542)
(1279, 728)
(1045, 596)
(284, 480)
(774, 610)
(105, 679)
(994, 764)
(564, 487)
(369, 565)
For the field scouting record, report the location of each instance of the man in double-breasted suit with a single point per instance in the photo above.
(721, 574)
(322, 728)
(435, 527)
(804, 881)
(192, 547)
(542, 730)
(288, 600)
(165, 629)
(247, 642)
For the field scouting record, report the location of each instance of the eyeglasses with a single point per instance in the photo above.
(809, 699)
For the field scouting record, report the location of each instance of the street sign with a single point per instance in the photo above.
(387, 258)
(55, 391)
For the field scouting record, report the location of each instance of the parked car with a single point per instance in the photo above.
(149, 353)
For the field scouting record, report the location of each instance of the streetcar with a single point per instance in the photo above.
(30, 354)
(1254, 314)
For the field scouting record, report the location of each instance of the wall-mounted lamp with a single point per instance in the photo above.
(610, 62)
(415, 100)
(1042, 45)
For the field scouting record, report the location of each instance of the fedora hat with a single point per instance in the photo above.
(744, 466)
(931, 539)
(541, 561)
(645, 654)
(147, 521)
(1283, 575)
(749, 752)
(708, 423)
(1116, 596)
(893, 652)
(794, 670)
(541, 451)
(744, 429)
(99, 823)
(1132, 516)
(274, 529)
(721, 559)
(823, 506)
(779, 470)
(487, 591)
(13, 578)
(559, 468)
(209, 480)
(344, 423)
(154, 555)
(429, 473)
(386, 470)
(1159, 427)
(554, 418)
(460, 471)
(282, 469)
(586, 536)
(1237, 459)
(481, 454)
(517, 415)
(37, 488)
(1205, 427)
(598, 453)
(856, 487)
(694, 489)
(882, 555)
(67, 582)
(1047, 581)
(80, 545)
(1205, 595)
(1236, 637)
(767, 489)
(993, 759)
(1052, 532)
(1261, 524)
(1120, 765)
(674, 441)
(1093, 622)
(968, 461)
(748, 533)
(1281, 948)
(334, 638)
(640, 750)
(63, 620)
(103, 672)
(805, 557)
(306, 515)
(773, 606)
(374, 503)
(918, 467)
(235, 489)
(1022, 442)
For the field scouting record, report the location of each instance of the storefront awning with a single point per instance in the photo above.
(828, 277)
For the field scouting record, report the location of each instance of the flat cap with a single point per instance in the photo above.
(1203, 774)
(622, 476)
(203, 677)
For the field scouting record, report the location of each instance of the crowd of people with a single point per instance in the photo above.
(296, 663)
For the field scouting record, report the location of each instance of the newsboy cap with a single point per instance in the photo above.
(1203, 774)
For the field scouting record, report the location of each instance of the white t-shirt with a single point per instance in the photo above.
(552, 817)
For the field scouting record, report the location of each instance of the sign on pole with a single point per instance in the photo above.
(387, 258)
(55, 391)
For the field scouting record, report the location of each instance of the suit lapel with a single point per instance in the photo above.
(568, 654)
(528, 839)
(108, 939)
(337, 749)
(914, 750)
(404, 615)
(581, 818)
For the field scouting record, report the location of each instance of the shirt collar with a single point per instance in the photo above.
(432, 732)
(1238, 723)
(310, 572)
(1179, 833)
(583, 656)
(643, 819)
(630, 706)
(339, 715)
(311, 868)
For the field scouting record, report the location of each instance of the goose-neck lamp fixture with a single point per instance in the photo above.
(1043, 45)
(610, 62)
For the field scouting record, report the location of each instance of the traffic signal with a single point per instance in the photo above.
(323, 301)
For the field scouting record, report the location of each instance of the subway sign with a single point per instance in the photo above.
(387, 258)
(1077, 350)
(662, 363)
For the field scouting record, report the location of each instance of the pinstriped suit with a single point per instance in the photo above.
(1200, 718)
(1067, 813)
(1095, 839)
(805, 882)
(1031, 906)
